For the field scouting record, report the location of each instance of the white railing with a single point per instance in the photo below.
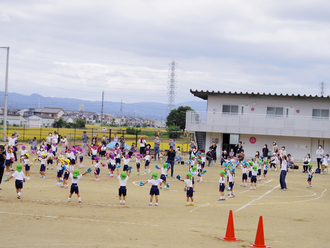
(217, 121)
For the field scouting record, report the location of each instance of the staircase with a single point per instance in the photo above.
(200, 140)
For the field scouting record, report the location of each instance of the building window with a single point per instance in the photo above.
(320, 114)
(230, 109)
(274, 111)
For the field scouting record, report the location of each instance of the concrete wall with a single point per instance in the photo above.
(298, 147)
(260, 104)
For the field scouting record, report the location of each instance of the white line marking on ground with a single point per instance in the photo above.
(72, 218)
(257, 198)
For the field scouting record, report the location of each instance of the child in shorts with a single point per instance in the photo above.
(123, 178)
(19, 178)
(43, 165)
(310, 175)
(66, 174)
(97, 168)
(190, 190)
(75, 177)
(147, 163)
(244, 175)
(254, 177)
(222, 185)
(26, 162)
(126, 162)
(154, 191)
(138, 159)
(164, 175)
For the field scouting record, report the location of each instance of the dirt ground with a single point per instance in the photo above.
(297, 217)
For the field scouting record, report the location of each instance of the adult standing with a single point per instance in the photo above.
(84, 142)
(284, 169)
(265, 151)
(142, 142)
(238, 147)
(64, 143)
(192, 147)
(115, 139)
(319, 155)
(122, 143)
(34, 144)
(2, 161)
(55, 138)
(156, 147)
(12, 142)
(214, 152)
(171, 143)
(94, 140)
(170, 159)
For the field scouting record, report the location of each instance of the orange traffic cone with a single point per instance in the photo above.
(260, 239)
(230, 233)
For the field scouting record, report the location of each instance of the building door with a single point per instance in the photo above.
(229, 141)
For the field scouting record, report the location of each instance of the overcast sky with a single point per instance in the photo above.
(77, 48)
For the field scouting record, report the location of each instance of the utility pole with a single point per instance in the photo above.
(6, 97)
(121, 112)
(102, 107)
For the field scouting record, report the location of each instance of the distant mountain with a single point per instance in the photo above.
(150, 110)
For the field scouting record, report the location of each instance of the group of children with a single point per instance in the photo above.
(66, 169)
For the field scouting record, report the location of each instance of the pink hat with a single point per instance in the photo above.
(111, 156)
(23, 147)
(54, 144)
(126, 156)
(97, 158)
(50, 150)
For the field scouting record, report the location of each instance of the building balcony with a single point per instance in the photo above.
(286, 125)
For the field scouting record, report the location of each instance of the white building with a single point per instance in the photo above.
(300, 123)
(52, 112)
(14, 119)
(40, 121)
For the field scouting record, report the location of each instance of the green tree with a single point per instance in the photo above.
(173, 131)
(177, 117)
(60, 123)
(80, 123)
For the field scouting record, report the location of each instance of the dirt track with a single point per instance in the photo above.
(297, 217)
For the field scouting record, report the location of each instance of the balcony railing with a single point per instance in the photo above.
(262, 124)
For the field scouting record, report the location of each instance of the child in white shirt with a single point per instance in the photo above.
(310, 175)
(26, 162)
(190, 190)
(325, 162)
(254, 177)
(244, 175)
(123, 178)
(19, 178)
(147, 162)
(138, 158)
(164, 175)
(97, 168)
(23, 151)
(222, 185)
(154, 191)
(43, 165)
(231, 182)
(50, 157)
(75, 177)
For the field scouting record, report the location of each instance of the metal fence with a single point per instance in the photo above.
(74, 135)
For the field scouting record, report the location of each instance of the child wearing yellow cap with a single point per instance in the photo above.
(66, 174)
(190, 190)
(75, 177)
(222, 185)
(154, 191)
(43, 165)
(19, 178)
(26, 162)
(9, 160)
(123, 178)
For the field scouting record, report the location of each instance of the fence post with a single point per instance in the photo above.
(23, 133)
(74, 137)
(136, 137)
(40, 133)
(92, 131)
(109, 135)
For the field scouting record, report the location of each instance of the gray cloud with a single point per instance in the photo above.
(79, 48)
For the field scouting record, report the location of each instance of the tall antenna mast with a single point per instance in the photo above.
(102, 107)
(322, 88)
(171, 86)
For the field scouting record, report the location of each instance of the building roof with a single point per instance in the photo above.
(49, 110)
(205, 94)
